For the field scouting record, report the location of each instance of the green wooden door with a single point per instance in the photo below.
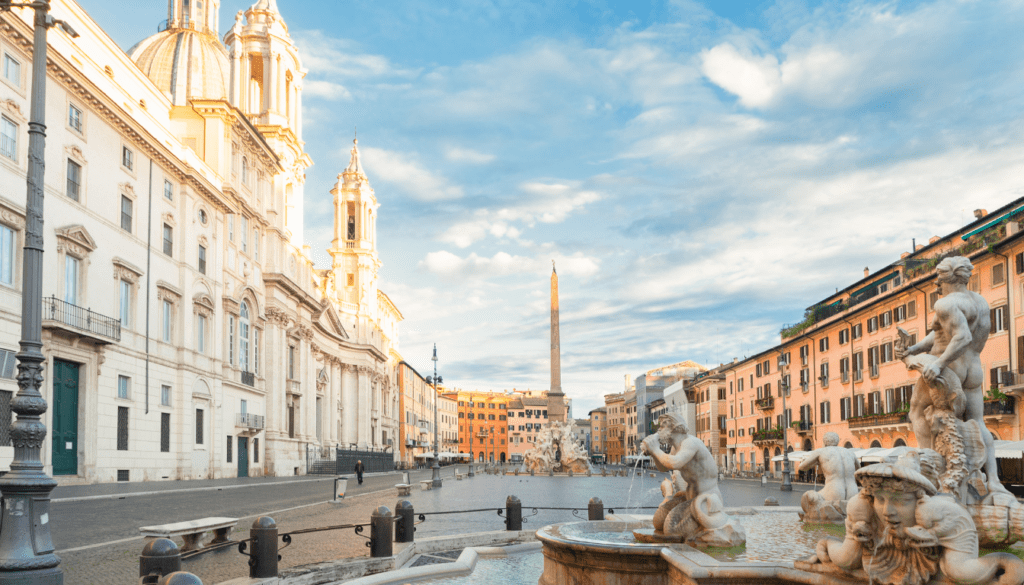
(65, 418)
(243, 457)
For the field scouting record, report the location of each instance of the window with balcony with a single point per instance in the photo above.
(125, 304)
(71, 275)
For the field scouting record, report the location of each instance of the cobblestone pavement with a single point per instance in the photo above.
(118, 562)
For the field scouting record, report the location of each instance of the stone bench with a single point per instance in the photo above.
(426, 484)
(404, 489)
(191, 532)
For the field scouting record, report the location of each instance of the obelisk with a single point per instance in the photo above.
(556, 400)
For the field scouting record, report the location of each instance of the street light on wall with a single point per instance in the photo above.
(435, 380)
(26, 547)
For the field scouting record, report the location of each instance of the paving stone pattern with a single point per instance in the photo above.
(118, 563)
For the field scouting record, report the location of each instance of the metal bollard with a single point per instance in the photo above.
(516, 471)
(604, 472)
(381, 532)
(595, 509)
(263, 555)
(513, 513)
(551, 472)
(159, 557)
(406, 525)
(570, 473)
(180, 578)
(531, 472)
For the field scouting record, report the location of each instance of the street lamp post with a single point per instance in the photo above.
(26, 547)
(472, 457)
(787, 485)
(435, 380)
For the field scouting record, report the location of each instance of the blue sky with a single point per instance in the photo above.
(701, 172)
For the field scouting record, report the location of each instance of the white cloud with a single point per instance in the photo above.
(330, 56)
(755, 80)
(467, 155)
(406, 172)
(444, 263)
(545, 202)
(325, 89)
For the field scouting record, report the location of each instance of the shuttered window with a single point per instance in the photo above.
(165, 432)
(1019, 259)
(122, 428)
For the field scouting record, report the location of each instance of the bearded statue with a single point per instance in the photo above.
(900, 532)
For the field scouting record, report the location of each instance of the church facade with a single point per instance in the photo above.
(187, 332)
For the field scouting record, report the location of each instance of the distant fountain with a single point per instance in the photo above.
(557, 450)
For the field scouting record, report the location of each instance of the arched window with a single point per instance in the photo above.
(899, 443)
(848, 445)
(245, 171)
(243, 337)
(875, 444)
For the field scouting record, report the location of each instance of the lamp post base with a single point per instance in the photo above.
(436, 475)
(51, 576)
(787, 485)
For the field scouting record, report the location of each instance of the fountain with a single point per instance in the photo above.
(557, 450)
(910, 521)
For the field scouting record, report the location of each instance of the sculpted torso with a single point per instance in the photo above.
(838, 466)
(696, 466)
(962, 314)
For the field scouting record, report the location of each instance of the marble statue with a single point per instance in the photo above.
(693, 510)
(950, 388)
(838, 466)
(557, 449)
(901, 531)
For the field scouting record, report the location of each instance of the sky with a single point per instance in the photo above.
(700, 172)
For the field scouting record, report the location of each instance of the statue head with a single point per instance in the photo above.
(955, 269)
(895, 489)
(831, 439)
(669, 424)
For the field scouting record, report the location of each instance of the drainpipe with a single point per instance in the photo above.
(1009, 319)
(149, 254)
(853, 381)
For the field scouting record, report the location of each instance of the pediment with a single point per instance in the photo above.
(76, 238)
(329, 318)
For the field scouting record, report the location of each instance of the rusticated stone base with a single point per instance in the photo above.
(818, 510)
(999, 519)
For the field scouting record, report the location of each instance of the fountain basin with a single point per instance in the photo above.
(604, 553)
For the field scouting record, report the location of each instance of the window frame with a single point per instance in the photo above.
(130, 216)
(4, 59)
(123, 383)
(72, 163)
(78, 128)
(168, 240)
(128, 159)
(8, 256)
(6, 122)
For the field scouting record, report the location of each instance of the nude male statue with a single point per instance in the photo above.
(837, 465)
(958, 334)
(698, 511)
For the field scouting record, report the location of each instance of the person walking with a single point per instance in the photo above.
(359, 471)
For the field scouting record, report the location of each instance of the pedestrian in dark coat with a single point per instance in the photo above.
(359, 471)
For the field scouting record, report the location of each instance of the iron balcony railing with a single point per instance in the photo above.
(765, 403)
(80, 318)
(875, 420)
(997, 407)
(249, 421)
(768, 436)
(248, 378)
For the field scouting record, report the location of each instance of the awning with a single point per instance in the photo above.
(1009, 449)
(794, 456)
(635, 457)
(878, 455)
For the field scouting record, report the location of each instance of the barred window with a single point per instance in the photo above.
(199, 426)
(122, 428)
(165, 432)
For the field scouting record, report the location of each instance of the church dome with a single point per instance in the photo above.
(186, 63)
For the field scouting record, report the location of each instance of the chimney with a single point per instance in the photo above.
(933, 239)
(734, 360)
(919, 247)
(904, 255)
(867, 272)
(980, 213)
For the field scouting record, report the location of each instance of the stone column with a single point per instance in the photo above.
(349, 402)
(363, 385)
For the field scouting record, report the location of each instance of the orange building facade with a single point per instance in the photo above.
(842, 374)
(483, 424)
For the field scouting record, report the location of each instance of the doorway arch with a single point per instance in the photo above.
(502, 457)
(899, 443)
(875, 444)
(808, 445)
(778, 464)
(481, 459)
(848, 445)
